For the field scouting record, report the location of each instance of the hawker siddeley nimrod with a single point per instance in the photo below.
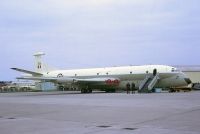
(146, 77)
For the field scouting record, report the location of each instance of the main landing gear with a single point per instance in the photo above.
(86, 90)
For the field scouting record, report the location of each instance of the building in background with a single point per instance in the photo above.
(18, 86)
(46, 86)
(193, 72)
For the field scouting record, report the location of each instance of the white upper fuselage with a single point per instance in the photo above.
(112, 71)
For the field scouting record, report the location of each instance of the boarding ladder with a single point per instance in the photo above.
(148, 83)
(142, 85)
(153, 82)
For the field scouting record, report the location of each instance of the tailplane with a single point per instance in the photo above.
(27, 72)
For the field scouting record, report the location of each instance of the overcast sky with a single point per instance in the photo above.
(98, 33)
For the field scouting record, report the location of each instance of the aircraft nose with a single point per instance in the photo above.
(188, 81)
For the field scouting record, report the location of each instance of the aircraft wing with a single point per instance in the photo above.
(74, 80)
(27, 71)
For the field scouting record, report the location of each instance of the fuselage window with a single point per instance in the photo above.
(97, 73)
(131, 72)
(75, 74)
(107, 73)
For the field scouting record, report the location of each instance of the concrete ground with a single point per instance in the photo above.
(99, 113)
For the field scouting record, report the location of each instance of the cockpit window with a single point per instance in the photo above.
(175, 70)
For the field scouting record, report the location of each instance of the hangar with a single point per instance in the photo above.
(193, 72)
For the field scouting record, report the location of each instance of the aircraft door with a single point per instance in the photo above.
(154, 72)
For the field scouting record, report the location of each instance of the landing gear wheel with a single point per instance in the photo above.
(83, 91)
(89, 90)
(86, 91)
(110, 90)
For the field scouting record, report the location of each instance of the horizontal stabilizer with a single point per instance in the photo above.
(39, 78)
(49, 79)
(27, 72)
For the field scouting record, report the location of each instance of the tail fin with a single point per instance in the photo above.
(39, 65)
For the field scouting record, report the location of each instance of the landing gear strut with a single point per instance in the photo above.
(110, 90)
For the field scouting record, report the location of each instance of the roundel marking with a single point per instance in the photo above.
(60, 75)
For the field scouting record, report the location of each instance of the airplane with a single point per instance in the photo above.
(144, 78)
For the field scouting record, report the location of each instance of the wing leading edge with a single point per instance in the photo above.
(74, 80)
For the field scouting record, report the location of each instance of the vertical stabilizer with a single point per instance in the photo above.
(39, 65)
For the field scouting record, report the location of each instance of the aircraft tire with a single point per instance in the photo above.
(82, 91)
(89, 91)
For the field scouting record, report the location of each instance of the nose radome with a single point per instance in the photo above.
(188, 80)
